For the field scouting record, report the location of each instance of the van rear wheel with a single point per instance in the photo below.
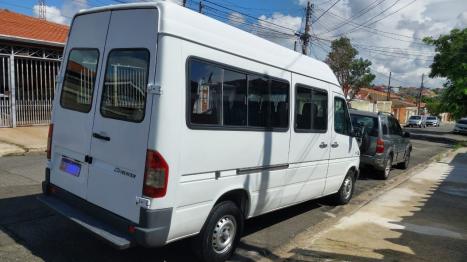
(220, 234)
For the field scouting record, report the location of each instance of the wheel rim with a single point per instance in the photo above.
(224, 233)
(387, 169)
(347, 187)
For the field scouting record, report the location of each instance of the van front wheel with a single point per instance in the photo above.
(221, 233)
(346, 190)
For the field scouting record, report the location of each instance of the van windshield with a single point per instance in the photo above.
(370, 123)
(415, 117)
(431, 118)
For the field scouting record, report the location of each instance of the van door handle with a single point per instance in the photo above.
(101, 137)
(334, 145)
(323, 145)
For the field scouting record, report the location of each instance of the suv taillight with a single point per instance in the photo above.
(156, 175)
(379, 145)
(49, 141)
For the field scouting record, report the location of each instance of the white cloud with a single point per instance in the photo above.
(462, 20)
(63, 14)
(236, 19)
(279, 28)
(52, 14)
(406, 56)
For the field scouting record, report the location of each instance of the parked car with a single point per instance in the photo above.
(461, 126)
(383, 142)
(418, 121)
(224, 131)
(432, 121)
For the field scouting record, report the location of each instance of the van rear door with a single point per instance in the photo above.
(73, 113)
(123, 109)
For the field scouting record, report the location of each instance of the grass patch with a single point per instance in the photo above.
(460, 145)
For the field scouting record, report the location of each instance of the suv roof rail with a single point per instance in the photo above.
(385, 113)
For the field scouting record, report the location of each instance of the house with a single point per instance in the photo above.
(30, 55)
(374, 100)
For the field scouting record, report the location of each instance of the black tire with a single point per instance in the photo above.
(405, 164)
(346, 190)
(384, 174)
(208, 245)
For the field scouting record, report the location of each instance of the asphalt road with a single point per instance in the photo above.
(29, 232)
(443, 134)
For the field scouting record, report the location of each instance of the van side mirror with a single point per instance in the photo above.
(406, 134)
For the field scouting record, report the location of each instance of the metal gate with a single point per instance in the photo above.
(34, 83)
(5, 107)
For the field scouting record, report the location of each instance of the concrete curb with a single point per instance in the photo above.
(10, 149)
(355, 204)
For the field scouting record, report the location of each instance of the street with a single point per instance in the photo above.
(29, 232)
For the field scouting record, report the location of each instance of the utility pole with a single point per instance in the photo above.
(389, 87)
(201, 6)
(420, 95)
(295, 45)
(184, 3)
(42, 9)
(306, 37)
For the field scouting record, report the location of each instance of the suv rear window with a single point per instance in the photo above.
(79, 80)
(370, 123)
(126, 78)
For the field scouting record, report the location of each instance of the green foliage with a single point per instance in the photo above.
(360, 74)
(434, 105)
(351, 73)
(450, 61)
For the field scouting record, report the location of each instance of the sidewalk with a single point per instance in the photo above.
(21, 140)
(422, 219)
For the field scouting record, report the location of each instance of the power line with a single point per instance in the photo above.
(327, 10)
(380, 13)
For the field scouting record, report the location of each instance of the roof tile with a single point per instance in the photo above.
(23, 26)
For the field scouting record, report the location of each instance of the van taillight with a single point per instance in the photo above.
(156, 175)
(379, 145)
(49, 141)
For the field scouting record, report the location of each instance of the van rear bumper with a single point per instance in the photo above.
(152, 231)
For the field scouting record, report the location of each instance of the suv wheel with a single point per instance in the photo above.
(346, 190)
(384, 174)
(221, 233)
(405, 164)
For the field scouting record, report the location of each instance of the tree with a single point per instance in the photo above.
(434, 105)
(351, 73)
(450, 61)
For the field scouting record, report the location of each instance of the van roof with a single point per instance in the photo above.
(184, 23)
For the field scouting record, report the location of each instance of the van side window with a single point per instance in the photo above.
(258, 101)
(341, 117)
(79, 80)
(125, 84)
(224, 97)
(205, 85)
(279, 103)
(234, 88)
(311, 109)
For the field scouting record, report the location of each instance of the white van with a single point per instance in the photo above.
(169, 124)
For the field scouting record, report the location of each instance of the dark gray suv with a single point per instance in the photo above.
(383, 143)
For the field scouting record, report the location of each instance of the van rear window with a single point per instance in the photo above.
(125, 84)
(79, 80)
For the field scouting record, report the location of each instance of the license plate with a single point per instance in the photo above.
(70, 167)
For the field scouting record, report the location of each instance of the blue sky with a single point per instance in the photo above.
(387, 32)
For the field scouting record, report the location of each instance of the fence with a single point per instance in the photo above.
(27, 81)
(5, 108)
